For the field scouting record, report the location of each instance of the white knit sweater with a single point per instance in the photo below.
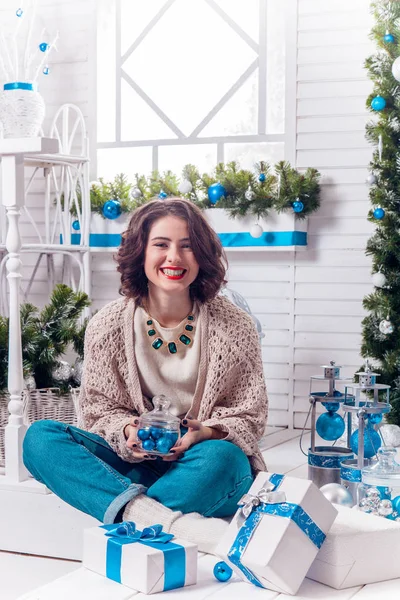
(230, 393)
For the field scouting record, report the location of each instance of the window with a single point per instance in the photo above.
(183, 82)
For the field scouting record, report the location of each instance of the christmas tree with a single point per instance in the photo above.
(381, 327)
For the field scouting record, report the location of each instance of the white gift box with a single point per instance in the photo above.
(359, 549)
(279, 551)
(147, 568)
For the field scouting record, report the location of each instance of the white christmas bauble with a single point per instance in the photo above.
(390, 434)
(95, 184)
(396, 69)
(30, 382)
(185, 187)
(135, 193)
(385, 508)
(256, 231)
(371, 179)
(379, 280)
(249, 194)
(337, 494)
(62, 372)
(386, 327)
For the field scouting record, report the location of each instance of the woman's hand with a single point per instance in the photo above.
(197, 432)
(130, 432)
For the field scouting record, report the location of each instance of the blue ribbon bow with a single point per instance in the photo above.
(120, 534)
(272, 502)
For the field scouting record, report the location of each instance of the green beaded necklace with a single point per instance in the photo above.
(157, 342)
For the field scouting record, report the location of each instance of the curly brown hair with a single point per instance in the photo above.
(205, 243)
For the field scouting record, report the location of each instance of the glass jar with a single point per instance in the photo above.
(158, 430)
(379, 491)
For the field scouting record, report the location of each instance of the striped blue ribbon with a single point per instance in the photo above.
(294, 512)
(20, 85)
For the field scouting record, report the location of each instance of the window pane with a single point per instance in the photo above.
(249, 154)
(245, 14)
(111, 161)
(174, 158)
(275, 67)
(135, 16)
(106, 27)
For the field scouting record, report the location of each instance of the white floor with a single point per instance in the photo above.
(25, 577)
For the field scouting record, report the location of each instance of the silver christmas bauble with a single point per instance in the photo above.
(249, 194)
(379, 280)
(386, 327)
(396, 69)
(371, 179)
(256, 231)
(77, 371)
(390, 435)
(373, 493)
(337, 494)
(385, 508)
(135, 193)
(30, 383)
(62, 372)
(185, 187)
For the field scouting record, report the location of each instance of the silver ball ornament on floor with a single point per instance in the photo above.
(337, 494)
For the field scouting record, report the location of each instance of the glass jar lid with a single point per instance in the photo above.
(383, 472)
(161, 416)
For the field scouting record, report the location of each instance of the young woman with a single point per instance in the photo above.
(172, 267)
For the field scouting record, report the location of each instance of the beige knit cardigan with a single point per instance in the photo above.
(230, 393)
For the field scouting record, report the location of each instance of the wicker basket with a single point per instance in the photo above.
(47, 403)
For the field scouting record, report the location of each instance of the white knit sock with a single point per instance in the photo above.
(206, 532)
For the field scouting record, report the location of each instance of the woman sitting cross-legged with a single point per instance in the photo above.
(172, 267)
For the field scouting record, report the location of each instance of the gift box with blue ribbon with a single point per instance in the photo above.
(148, 561)
(277, 532)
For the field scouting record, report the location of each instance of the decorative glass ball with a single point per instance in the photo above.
(135, 193)
(185, 187)
(62, 371)
(46, 70)
(249, 194)
(143, 434)
(215, 192)
(331, 407)
(396, 504)
(379, 213)
(148, 445)
(385, 508)
(256, 231)
(374, 419)
(371, 179)
(43, 47)
(386, 327)
(379, 280)
(76, 225)
(298, 206)
(162, 195)
(330, 426)
(19, 12)
(337, 494)
(262, 177)
(388, 38)
(222, 571)
(372, 442)
(396, 69)
(112, 209)
(378, 103)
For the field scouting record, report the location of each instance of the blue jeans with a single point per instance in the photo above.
(82, 469)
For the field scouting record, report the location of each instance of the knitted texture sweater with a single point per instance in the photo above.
(230, 392)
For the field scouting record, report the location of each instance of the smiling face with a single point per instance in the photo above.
(170, 264)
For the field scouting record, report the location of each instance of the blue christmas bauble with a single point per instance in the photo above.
(372, 442)
(388, 38)
(396, 504)
(379, 213)
(331, 407)
(143, 434)
(298, 206)
(164, 445)
(76, 225)
(43, 47)
(215, 192)
(378, 103)
(222, 571)
(330, 426)
(112, 209)
(19, 12)
(46, 70)
(148, 445)
(156, 432)
(337, 394)
(374, 419)
(162, 195)
(172, 437)
(261, 177)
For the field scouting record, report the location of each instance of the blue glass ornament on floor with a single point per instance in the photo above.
(330, 426)
(379, 213)
(222, 571)
(76, 225)
(261, 177)
(19, 12)
(215, 192)
(162, 195)
(372, 442)
(388, 38)
(112, 209)
(378, 103)
(43, 47)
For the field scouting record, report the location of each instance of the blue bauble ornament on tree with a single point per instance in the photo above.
(215, 192)
(261, 177)
(379, 213)
(76, 225)
(19, 12)
(330, 426)
(162, 195)
(43, 47)
(222, 571)
(378, 103)
(372, 442)
(298, 206)
(388, 38)
(112, 209)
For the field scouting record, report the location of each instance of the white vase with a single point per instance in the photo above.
(22, 110)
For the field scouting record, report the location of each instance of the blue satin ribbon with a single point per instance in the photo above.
(294, 512)
(228, 240)
(20, 85)
(121, 534)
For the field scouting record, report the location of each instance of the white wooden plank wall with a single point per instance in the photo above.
(309, 304)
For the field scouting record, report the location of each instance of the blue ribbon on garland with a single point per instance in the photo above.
(121, 534)
(286, 510)
(20, 85)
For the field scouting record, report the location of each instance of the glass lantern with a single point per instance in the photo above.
(379, 491)
(158, 430)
